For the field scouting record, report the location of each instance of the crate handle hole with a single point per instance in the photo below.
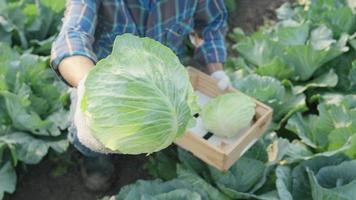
(208, 135)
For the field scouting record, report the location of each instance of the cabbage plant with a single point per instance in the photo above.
(227, 114)
(139, 99)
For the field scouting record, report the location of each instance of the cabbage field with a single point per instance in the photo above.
(301, 62)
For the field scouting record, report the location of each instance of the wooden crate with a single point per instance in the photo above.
(216, 151)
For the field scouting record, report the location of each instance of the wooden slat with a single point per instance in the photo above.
(258, 125)
(209, 92)
(255, 132)
(260, 111)
(194, 78)
(201, 149)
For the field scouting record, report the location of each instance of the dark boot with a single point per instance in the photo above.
(97, 173)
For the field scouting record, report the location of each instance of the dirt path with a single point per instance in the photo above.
(51, 181)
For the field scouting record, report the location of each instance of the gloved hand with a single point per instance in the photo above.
(83, 132)
(222, 78)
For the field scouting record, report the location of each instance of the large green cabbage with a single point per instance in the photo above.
(139, 99)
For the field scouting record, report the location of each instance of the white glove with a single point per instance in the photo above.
(83, 132)
(222, 78)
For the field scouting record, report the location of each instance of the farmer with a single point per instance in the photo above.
(87, 35)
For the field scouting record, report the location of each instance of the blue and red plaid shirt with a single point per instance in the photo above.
(90, 26)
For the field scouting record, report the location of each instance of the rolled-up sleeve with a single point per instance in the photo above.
(77, 33)
(210, 21)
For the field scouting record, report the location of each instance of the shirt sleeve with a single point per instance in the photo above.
(77, 33)
(210, 23)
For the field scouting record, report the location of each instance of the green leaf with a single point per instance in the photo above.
(290, 104)
(191, 162)
(292, 35)
(178, 194)
(352, 76)
(257, 151)
(304, 128)
(341, 136)
(341, 20)
(306, 60)
(319, 193)
(329, 128)
(334, 176)
(284, 182)
(298, 151)
(328, 79)
(56, 6)
(162, 165)
(233, 194)
(322, 38)
(334, 14)
(199, 184)
(31, 150)
(25, 120)
(334, 182)
(43, 46)
(281, 150)
(230, 6)
(301, 188)
(134, 191)
(342, 65)
(276, 68)
(279, 95)
(242, 176)
(263, 88)
(285, 12)
(31, 11)
(237, 34)
(338, 99)
(5, 37)
(7, 179)
(157, 189)
(258, 49)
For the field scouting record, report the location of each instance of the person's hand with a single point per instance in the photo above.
(222, 79)
(83, 132)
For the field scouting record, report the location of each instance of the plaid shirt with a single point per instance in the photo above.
(90, 26)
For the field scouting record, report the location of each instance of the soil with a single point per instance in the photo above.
(250, 14)
(58, 177)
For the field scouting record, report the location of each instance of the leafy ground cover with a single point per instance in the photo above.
(301, 63)
(33, 102)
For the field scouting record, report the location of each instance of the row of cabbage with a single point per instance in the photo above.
(32, 120)
(304, 67)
